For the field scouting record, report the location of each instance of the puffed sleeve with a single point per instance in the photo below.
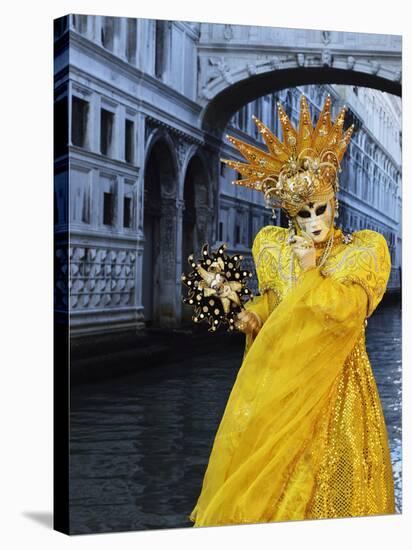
(261, 305)
(367, 263)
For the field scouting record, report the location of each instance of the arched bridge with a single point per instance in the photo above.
(238, 63)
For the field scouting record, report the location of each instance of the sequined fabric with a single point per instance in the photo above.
(354, 472)
(303, 433)
(347, 460)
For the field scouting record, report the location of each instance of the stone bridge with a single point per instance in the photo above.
(239, 63)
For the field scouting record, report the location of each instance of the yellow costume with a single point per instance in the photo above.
(303, 433)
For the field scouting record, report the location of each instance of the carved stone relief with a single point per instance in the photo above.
(101, 277)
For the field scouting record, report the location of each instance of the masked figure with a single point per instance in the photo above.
(303, 433)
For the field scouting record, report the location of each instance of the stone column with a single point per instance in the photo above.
(140, 162)
(180, 262)
(204, 230)
(167, 311)
(97, 31)
(214, 196)
(95, 199)
(119, 130)
(119, 203)
(69, 110)
(94, 123)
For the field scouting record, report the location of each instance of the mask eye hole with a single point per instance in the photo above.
(304, 214)
(320, 209)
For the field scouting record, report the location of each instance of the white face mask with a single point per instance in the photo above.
(315, 218)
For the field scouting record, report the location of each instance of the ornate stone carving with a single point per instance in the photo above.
(181, 151)
(326, 58)
(228, 32)
(251, 68)
(221, 69)
(206, 93)
(326, 36)
(275, 62)
(300, 58)
(101, 277)
(217, 71)
(350, 62)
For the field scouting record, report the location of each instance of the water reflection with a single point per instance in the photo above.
(140, 444)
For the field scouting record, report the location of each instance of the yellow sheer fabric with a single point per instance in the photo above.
(303, 433)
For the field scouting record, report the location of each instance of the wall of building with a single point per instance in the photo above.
(145, 181)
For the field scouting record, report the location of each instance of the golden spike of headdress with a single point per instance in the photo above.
(290, 137)
(304, 167)
(330, 145)
(337, 130)
(323, 126)
(274, 145)
(255, 155)
(344, 142)
(254, 176)
(305, 129)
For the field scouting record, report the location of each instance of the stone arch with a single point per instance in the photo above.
(197, 216)
(161, 135)
(160, 212)
(198, 152)
(227, 95)
(198, 206)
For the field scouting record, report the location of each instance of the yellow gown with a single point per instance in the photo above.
(303, 433)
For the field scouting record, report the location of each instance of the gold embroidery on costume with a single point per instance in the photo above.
(366, 262)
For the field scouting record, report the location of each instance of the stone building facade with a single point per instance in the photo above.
(138, 182)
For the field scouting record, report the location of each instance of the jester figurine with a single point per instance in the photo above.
(303, 434)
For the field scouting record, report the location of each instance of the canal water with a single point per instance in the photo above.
(140, 443)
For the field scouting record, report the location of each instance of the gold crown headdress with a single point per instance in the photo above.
(304, 167)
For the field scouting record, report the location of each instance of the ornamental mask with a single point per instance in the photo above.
(315, 218)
